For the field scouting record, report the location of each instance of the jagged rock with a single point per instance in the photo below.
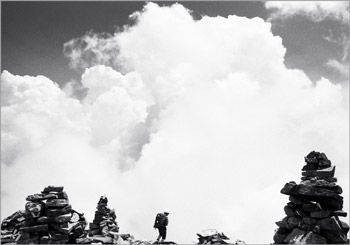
(312, 238)
(102, 239)
(334, 237)
(330, 223)
(10, 227)
(344, 226)
(211, 236)
(280, 235)
(295, 236)
(284, 224)
(294, 221)
(316, 160)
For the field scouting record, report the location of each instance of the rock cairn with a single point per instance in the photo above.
(105, 219)
(10, 227)
(314, 206)
(48, 218)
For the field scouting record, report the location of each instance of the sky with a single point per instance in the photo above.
(202, 109)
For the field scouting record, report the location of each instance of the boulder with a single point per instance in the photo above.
(330, 223)
(295, 236)
(312, 238)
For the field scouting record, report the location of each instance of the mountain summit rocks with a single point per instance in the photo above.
(48, 218)
(314, 206)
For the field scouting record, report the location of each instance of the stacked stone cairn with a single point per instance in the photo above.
(50, 219)
(314, 206)
(104, 223)
(10, 227)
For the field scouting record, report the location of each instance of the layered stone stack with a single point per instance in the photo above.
(314, 206)
(10, 227)
(50, 219)
(105, 219)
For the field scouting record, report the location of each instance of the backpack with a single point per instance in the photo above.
(160, 220)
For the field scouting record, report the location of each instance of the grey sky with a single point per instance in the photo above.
(33, 33)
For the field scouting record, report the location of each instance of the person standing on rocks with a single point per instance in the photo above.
(161, 223)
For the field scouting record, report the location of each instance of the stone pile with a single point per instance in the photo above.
(104, 223)
(212, 236)
(10, 227)
(49, 219)
(314, 207)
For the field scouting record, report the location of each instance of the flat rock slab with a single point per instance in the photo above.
(326, 172)
(51, 188)
(340, 213)
(35, 228)
(57, 212)
(328, 179)
(328, 197)
(321, 183)
(39, 197)
(60, 219)
(320, 214)
(57, 203)
(34, 240)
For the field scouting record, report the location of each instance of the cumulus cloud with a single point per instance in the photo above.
(92, 48)
(197, 118)
(316, 10)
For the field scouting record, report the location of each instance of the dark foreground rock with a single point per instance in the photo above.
(48, 218)
(312, 215)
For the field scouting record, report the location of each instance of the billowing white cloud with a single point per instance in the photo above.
(90, 49)
(197, 118)
(317, 10)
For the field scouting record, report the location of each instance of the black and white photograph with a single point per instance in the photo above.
(175, 122)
